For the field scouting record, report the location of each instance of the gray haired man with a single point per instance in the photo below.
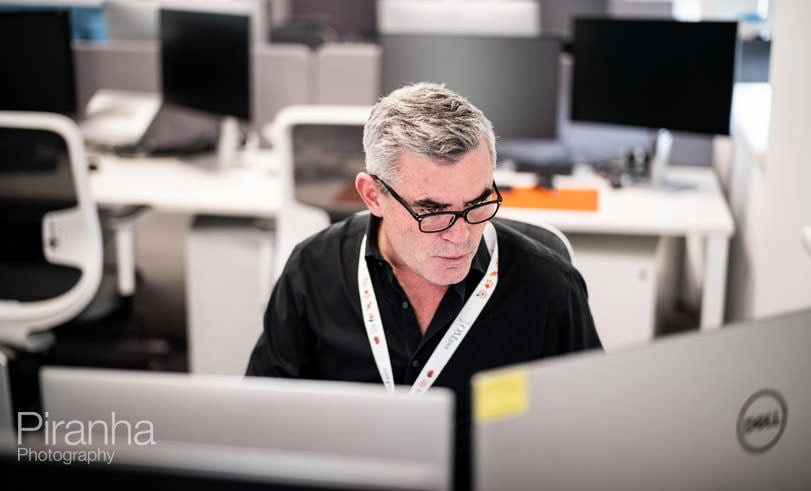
(433, 257)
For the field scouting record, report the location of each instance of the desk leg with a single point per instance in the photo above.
(715, 278)
(123, 225)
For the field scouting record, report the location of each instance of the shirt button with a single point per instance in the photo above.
(405, 305)
(415, 363)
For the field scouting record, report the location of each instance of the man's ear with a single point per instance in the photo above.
(369, 193)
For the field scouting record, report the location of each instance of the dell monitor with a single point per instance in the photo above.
(36, 62)
(659, 74)
(728, 409)
(205, 65)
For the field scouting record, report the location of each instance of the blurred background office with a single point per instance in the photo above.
(200, 269)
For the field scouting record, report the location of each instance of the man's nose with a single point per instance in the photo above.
(459, 232)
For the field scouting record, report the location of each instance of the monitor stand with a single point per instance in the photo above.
(226, 153)
(228, 142)
(661, 158)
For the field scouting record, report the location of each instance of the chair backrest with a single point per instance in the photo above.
(545, 234)
(51, 258)
(6, 406)
(299, 217)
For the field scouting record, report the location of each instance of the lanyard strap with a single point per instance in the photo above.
(452, 338)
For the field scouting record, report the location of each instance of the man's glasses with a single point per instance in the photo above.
(443, 220)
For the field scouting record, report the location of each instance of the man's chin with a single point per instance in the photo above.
(449, 276)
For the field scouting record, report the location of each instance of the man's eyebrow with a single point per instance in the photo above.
(485, 194)
(429, 203)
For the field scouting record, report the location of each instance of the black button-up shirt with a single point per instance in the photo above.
(314, 328)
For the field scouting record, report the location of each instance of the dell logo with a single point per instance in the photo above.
(762, 421)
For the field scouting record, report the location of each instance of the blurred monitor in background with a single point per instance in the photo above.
(36, 60)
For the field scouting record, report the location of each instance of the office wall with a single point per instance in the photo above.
(782, 266)
(662, 9)
(770, 271)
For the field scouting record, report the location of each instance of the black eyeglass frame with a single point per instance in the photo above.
(455, 214)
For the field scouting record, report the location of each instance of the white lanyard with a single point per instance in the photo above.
(452, 338)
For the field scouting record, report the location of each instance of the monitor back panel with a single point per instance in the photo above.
(724, 410)
(330, 419)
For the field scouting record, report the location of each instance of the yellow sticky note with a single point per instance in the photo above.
(500, 395)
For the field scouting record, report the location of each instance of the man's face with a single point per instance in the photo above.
(442, 258)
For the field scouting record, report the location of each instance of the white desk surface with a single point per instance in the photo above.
(636, 210)
(249, 188)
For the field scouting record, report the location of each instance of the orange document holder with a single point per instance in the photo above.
(555, 199)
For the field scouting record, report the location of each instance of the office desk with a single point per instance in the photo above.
(223, 323)
(699, 214)
(248, 188)
(633, 220)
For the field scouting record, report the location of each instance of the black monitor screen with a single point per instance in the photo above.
(513, 80)
(205, 61)
(36, 62)
(654, 73)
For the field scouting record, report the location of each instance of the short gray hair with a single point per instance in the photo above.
(426, 119)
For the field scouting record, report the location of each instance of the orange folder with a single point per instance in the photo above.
(556, 199)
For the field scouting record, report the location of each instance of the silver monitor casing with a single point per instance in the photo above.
(695, 411)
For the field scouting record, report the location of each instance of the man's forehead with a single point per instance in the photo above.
(451, 196)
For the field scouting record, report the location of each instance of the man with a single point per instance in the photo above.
(391, 284)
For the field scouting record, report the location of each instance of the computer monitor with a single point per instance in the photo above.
(206, 66)
(301, 431)
(205, 61)
(37, 62)
(200, 475)
(729, 409)
(659, 74)
(513, 80)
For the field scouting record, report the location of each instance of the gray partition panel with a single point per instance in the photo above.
(122, 65)
(347, 73)
(282, 75)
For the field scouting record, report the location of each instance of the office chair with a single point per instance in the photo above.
(6, 406)
(302, 217)
(51, 256)
(545, 234)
